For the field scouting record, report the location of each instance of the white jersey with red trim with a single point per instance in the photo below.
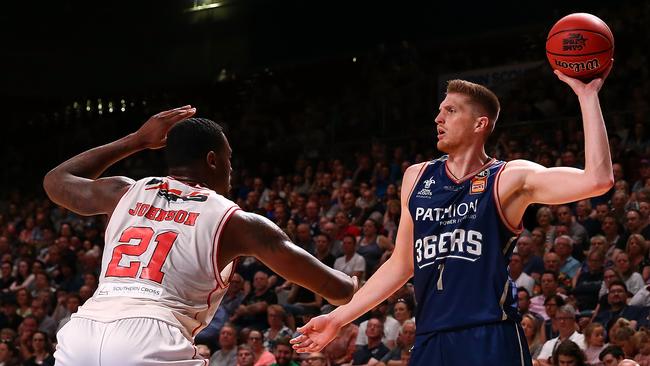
(160, 257)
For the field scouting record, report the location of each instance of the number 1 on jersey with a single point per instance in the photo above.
(441, 268)
(164, 242)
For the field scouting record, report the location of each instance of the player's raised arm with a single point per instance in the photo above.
(318, 332)
(74, 184)
(524, 182)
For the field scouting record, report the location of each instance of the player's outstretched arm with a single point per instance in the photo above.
(74, 184)
(249, 234)
(524, 182)
(392, 275)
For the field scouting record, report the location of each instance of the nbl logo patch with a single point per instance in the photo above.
(479, 182)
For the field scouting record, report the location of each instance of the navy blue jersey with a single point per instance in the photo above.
(462, 248)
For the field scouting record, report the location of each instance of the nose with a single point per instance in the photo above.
(438, 120)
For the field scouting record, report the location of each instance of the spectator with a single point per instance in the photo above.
(245, 356)
(595, 341)
(588, 280)
(534, 333)
(633, 280)
(6, 279)
(371, 245)
(403, 310)
(324, 250)
(252, 311)
(523, 303)
(544, 221)
(566, 318)
(624, 338)
(227, 353)
(316, 359)
(72, 303)
(577, 232)
(637, 251)
(262, 355)
(283, 353)
(551, 304)
(390, 326)
(563, 247)
(351, 263)
(549, 288)
(374, 350)
(618, 308)
(341, 349)
(24, 277)
(533, 263)
(568, 353)
(584, 217)
(518, 275)
(405, 342)
(642, 343)
(8, 354)
(611, 355)
(277, 326)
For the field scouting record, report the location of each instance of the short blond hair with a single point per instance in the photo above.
(480, 96)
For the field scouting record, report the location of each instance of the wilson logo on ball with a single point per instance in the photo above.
(579, 66)
(574, 42)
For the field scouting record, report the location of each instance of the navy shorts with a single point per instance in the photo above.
(502, 344)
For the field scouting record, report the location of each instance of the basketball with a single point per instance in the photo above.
(580, 45)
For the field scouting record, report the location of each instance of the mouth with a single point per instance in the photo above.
(441, 133)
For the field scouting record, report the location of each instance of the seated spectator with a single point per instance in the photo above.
(8, 354)
(277, 326)
(566, 318)
(642, 343)
(549, 288)
(371, 245)
(42, 353)
(24, 302)
(523, 303)
(577, 232)
(252, 311)
(534, 333)
(324, 250)
(611, 355)
(403, 310)
(390, 326)
(584, 217)
(641, 298)
(587, 282)
(6, 277)
(563, 246)
(551, 304)
(351, 263)
(568, 353)
(618, 307)
(637, 251)
(405, 342)
(229, 304)
(341, 349)
(633, 280)
(374, 350)
(72, 303)
(245, 356)
(24, 277)
(227, 353)
(262, 355)
(552, 262)
(283, 352)
(595, 341)
(624, 338)
(515, 269)
(299, 301)
(532, 263)
(46, 323)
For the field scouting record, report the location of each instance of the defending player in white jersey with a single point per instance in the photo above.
(171, 246)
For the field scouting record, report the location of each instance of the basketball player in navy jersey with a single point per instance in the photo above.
(460, 216)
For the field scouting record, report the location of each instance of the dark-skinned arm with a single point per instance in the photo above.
(75, 183)
(248, 234)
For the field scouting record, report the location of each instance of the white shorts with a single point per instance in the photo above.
(126, 342)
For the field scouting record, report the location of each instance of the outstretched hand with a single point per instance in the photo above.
(153, 133)
(579, 87)
(316, 334)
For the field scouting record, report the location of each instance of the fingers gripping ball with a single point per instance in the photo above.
(580, 45)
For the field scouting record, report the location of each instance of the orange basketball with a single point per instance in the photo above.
(580, 45)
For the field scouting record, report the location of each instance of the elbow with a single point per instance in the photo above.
(49, 182)
(348, 289)
(603, 184)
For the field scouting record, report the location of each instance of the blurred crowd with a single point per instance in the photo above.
(325, 164)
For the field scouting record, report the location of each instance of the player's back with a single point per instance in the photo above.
(160, 257)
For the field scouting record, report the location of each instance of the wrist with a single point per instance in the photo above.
(136, 141)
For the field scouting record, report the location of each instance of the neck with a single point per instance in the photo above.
(188, 175)
(373, 342)
(469, 160)
(515, 275)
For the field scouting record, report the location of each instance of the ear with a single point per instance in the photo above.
(482, 123)
(212, 160)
